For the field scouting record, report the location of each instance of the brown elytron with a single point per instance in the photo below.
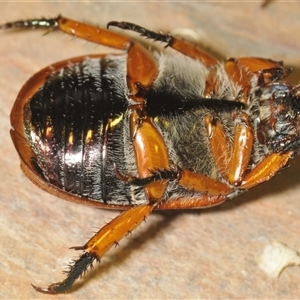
(141, 131)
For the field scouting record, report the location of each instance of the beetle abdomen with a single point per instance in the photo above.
(73, 124)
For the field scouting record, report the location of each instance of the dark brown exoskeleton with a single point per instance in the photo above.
(141, 131)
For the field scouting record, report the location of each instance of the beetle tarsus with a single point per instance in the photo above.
(51, 23)
(166, 38)
(49, 290)
(77, 269)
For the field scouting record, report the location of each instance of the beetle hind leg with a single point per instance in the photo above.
(78, 29)
(32, 23)
(99, 244)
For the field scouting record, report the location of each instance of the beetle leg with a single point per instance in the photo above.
(266, 169)
(142, 70)
(234, 169)
(171, 41)
(141, 66)
(196, 202)
(268, 70)
(216, 191)
(241, 150)
(232, 163)
(236, 73)
(81, 30)
(255, 64)
(150, 152)
(239, 76)
(202, 184)
(99, 244)
(219, 143)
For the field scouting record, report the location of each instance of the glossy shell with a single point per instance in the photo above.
(144, 131)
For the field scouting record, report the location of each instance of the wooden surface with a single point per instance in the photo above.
(198, 254)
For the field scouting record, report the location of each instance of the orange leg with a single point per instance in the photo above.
(266, 169)
(241, 151)
(219, 143)
(232, 162)
(267, 69)
(150, 153)
(255, 64)
(239, 76)
(188, 179)
(187, 202)
(177, 44)
(154, 168)
(141, 66)
(81, 30)
(100, 243)
(235, 169)
(203, 184)
(241, 71)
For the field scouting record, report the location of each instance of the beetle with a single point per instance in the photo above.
(145, 130)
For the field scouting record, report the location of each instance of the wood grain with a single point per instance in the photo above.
(198, 254)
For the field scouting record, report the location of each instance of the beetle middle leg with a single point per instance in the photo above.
(173, 42)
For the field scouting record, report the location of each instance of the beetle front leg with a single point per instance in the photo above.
(232, 161)
(99, 244)
(266, 169)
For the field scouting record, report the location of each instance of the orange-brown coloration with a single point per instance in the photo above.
(232, 159)
(193, 52)
(266, 169)
(20, 140)
(93, 34)
(239, 76)
(219, 143)
(211, 85)
(200, 183)
(116, 229)
(255, 64)
(150, 152)
(141, 69)
(241, 151)
(187, 203)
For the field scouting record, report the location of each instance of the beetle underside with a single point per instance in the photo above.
(143, 131)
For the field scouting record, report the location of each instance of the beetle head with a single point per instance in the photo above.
(278, 122)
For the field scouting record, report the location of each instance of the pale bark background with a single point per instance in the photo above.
(210, 253)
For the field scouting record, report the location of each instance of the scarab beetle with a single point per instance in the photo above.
(149, 130)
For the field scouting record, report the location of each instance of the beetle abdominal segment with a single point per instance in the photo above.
(141, 131)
